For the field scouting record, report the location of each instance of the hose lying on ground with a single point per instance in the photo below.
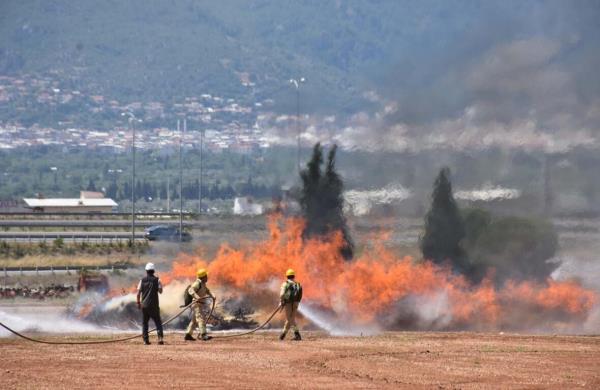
(94, 341)
(222, 336)
(140, 335)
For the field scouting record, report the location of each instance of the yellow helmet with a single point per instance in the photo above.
(290, 272)
(201, 273)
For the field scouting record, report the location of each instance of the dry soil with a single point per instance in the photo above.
(392, 360)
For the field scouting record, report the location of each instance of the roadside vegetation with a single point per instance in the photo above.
(225, 175)
(80, 260)
(61, 249)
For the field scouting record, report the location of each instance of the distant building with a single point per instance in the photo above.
(246, 206)
(88, 202)
(91, 195)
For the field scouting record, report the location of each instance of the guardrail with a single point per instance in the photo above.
(142, 215)
(93, 213)
(92, 236)
(89, 223)
(62, 269)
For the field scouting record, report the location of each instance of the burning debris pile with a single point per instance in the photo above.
(118, 310)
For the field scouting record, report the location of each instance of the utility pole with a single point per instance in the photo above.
(296, 83)
(201, 175)
(168, 194)
(181, 135)
(132, 119)
(298, 127)
(132, 183)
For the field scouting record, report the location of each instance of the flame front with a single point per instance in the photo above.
(379, 287)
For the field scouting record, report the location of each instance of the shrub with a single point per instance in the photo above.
(515, 247)
(18, 251)
(59, 243)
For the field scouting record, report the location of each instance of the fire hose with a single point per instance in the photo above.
(223, 336)
(93, 341)
(140, 335)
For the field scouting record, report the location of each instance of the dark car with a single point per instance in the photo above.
(165, 233)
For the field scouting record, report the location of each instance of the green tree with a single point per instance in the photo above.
(444, 227)
(322, 200)
(91, 186)
(476, 221)
(513, 247)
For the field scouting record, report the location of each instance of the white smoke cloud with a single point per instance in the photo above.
(46, 320)
(362, 201)
(488, 193)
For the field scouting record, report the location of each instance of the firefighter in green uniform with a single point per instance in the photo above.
(199, 291)
(290, 296)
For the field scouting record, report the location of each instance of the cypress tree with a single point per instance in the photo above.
(444, 227)
(322, 199)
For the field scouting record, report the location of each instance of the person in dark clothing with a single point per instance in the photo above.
(147, 300)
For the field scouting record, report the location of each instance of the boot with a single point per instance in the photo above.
(282, 336)
(146, 342)
(188, 337)
(160, 341)
(204, 337)
(297, 336)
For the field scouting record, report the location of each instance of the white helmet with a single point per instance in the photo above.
(150, 267)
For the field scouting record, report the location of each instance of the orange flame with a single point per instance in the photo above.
(371, 286)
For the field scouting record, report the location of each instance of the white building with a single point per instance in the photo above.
(88, 202)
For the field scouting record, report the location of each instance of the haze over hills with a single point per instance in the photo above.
(395, 75)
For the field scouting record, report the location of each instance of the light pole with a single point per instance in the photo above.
(296, 83)
(200, 181)
(132, 119)
(181, 135)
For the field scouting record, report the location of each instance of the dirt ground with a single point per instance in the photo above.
(393, 360)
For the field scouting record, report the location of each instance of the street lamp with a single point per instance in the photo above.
(296, 83)
(181, 136)
(132, 120)
(200, 175)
